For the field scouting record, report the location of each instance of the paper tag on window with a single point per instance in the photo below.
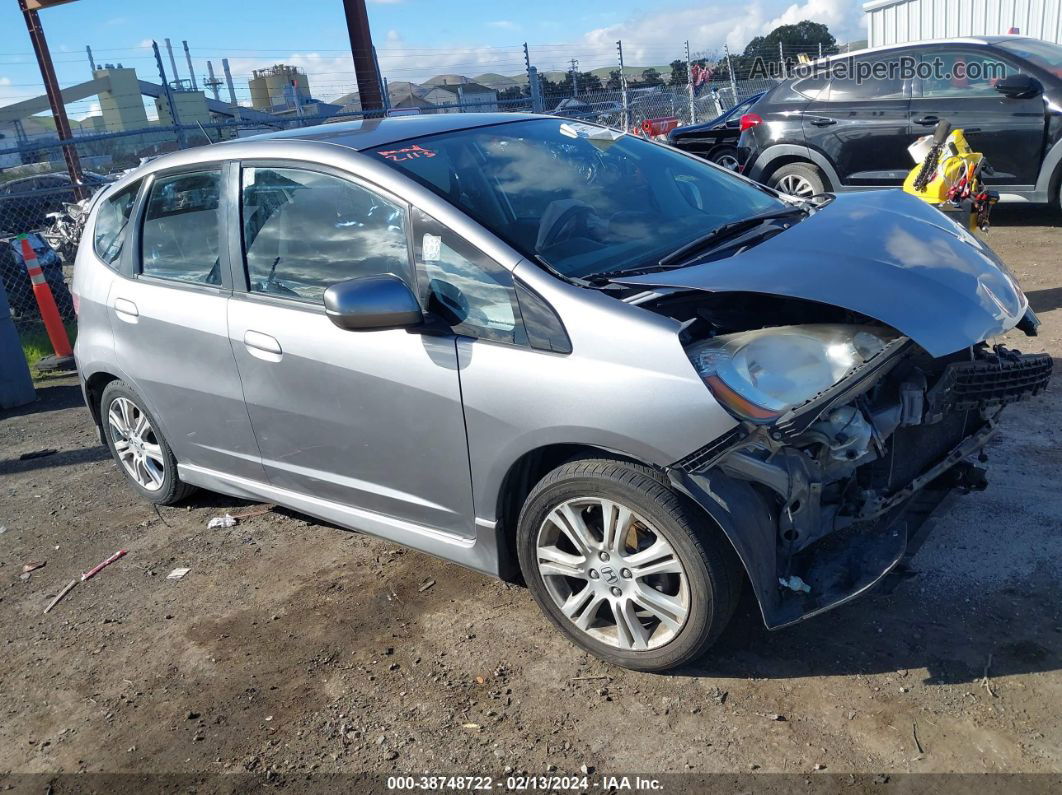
(432, 248)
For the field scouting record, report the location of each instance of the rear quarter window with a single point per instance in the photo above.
(112, 224)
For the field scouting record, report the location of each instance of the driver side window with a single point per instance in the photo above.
(460, 284)
(304, 231)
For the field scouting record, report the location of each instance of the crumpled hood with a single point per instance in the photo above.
(885, 254)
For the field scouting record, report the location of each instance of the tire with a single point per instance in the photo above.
(687, 607)
(726, 156)
(140, 451)
(802, 180)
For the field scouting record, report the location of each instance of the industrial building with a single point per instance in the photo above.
(901, 21)
(279, 86)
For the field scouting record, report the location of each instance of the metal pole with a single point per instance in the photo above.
(530, 84)
(232, 91)
(689, 84)
(820, 49)
(173, 63)
(55, 99)
(361, 48)
(623, 83)
(575, 77)
(213, 82)
(730, 68)
(92, 61)
(383, 82)
(191, 71)
(781, 59)
(169, 95)
(536, 89)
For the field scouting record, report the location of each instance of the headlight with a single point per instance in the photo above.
(759, 375)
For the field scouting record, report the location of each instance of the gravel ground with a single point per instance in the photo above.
(295, 648)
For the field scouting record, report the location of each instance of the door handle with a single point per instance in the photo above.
(925, 121)
(126, 310)
(258, 343)
(823, 122)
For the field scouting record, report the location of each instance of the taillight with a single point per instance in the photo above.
(749, 120)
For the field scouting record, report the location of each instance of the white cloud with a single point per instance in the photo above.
(393, 36)
(503, 24)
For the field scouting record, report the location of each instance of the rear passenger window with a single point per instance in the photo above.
(304, 231)
(181, 234)
(866, 79)
(112, 222)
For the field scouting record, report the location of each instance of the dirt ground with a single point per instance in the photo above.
(295, 648)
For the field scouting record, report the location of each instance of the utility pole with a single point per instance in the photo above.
(55, 97)
(623, 83)
(361, 48)
(169, 95)
(689, 84)
(212, 82)
(575, 77)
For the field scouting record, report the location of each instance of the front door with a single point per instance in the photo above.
(1009, 132)
(170, 330)
(860, 123)
(370, 420)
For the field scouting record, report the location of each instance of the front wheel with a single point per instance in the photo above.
(624, 566)
(727, 157)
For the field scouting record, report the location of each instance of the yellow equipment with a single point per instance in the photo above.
(949, 175)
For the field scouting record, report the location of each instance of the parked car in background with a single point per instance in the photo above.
(537, 345)
(715, 140)
(16, 279)
(578, 108)
(817, 133)
(26, 202)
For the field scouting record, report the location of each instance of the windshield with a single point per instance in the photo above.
(1044, 54)
(583, 198)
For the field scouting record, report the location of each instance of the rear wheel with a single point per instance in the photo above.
(624, 566)
(138, 446)
(802, 180)
(726, 156)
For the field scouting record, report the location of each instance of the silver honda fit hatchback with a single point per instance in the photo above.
(542, 348)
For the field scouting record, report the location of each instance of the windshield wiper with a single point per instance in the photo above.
(728, 230)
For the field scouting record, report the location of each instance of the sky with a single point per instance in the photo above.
(415, 39)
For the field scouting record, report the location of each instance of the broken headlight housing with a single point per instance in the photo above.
(759, 375)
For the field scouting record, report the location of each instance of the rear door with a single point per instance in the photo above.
(960, 87)
(169, 320)
(369, 420)
(860, 122)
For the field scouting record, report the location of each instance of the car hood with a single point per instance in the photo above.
(884, 254)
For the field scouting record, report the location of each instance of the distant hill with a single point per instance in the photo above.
(500, 82)
(447, 80)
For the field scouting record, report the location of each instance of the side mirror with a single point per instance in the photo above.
(372, 303)
(1019, 87)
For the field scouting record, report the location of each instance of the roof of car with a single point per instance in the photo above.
(370, 133)
(981, 40)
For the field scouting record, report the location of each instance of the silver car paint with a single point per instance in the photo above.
(626, 387)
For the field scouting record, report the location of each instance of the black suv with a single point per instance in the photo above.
(827, 129)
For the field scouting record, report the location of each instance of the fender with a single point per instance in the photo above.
(1048, 168)
(772, 153)
(748, 522)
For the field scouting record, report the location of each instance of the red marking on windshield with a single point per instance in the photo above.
(406, 153)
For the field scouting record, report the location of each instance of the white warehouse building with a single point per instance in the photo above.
(901, 21)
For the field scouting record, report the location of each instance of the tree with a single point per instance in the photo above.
(679, 73)
(802, 38)
(614, 82)
(651, 77)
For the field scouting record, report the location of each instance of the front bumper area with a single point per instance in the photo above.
(815, 533)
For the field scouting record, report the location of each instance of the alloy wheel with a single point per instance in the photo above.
(796, 185)
(729, 162)
(136, 444)
(612, 574)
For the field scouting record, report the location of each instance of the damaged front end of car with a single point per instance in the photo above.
(857, 366)
(824, 500)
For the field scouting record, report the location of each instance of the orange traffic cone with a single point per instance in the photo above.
(53, 323)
